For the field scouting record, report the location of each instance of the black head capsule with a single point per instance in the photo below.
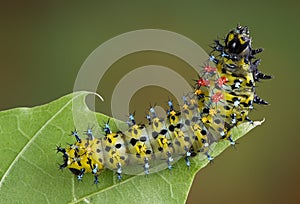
(238, 40)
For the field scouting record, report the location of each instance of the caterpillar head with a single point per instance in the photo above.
(238, 40)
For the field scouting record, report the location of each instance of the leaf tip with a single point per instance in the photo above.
(257, 123)
(96, 94)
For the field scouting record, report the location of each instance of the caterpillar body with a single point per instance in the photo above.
(223, 96)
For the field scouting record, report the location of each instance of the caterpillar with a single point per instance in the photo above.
(223, 96)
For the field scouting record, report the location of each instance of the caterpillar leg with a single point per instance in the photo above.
(119, 171)
(169, 160)
(95, 173)
(232, 142)
(249, 120)
(209, 157)
(187, 156)
(146, 166)
(80, 175)
(96, 180)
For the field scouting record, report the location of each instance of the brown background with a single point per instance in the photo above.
(43, 46)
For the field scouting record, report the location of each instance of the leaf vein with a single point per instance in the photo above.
(32, 139)
(166, 180)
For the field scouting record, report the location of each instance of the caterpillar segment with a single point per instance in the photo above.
(84, 156)
(114, 151)
(138, 144)
(199, 139)
(179, 133)
(160, 139)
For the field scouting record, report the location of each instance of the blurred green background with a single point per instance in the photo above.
(43, 45)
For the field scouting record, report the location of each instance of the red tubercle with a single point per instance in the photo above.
(210, 69)
(222, 80)
(203, 82)
(217, 97)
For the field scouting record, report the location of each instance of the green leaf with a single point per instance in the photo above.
(29, 164)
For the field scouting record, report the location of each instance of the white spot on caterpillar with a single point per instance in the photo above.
(233, 44)
(237, 84)
(236, 103)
